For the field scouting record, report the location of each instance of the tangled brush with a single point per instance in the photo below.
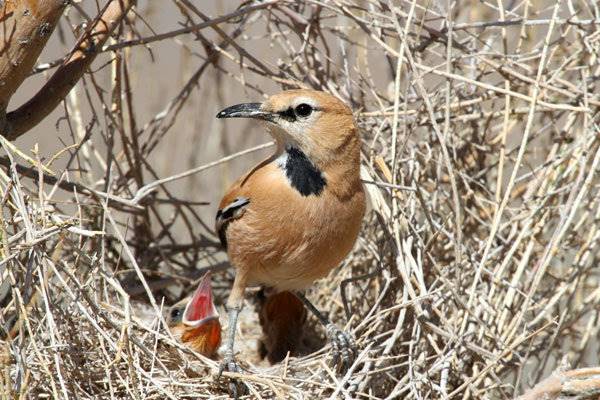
(474, 276)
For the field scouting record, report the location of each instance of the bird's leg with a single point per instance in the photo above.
(228, 359)
(236, 388)
(234, 306)
(342, 342)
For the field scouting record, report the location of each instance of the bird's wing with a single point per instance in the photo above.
(236, 200)
(229, 211)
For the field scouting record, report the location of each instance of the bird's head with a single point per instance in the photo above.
(195, 320)
(317, 123)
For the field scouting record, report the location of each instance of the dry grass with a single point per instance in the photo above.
(475, 274)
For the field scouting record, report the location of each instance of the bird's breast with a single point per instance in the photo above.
(286, 239)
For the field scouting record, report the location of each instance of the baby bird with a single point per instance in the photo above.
(296, 215)
(195, 321)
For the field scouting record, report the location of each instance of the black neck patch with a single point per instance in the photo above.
(302, 174)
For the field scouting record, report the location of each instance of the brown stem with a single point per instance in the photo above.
(562, 385)
(25, 28)
(68, 74)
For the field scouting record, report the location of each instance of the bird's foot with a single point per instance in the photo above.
(236, 386)
(342, 345)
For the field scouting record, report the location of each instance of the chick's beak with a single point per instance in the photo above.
(246, 110)
(200, 308)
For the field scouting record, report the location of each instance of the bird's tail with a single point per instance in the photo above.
(282, 318)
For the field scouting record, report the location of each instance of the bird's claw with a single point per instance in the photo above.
(342, 345)
(230, 365)
(236, 387)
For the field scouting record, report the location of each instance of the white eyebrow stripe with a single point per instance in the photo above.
(307, 100)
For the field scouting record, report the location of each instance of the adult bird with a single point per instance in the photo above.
(296, 215)
(195, 320)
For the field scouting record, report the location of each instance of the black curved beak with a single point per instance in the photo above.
(246, 110)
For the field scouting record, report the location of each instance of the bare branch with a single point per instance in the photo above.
(26, 27)
(562, 385)
(68, 74)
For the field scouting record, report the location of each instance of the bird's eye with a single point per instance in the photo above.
(175, 313)
(303, 110)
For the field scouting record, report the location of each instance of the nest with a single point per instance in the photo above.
(474, 275)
